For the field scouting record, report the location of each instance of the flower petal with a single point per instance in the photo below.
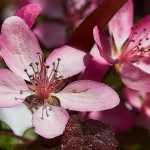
(135, 98)
(102, 43)
(143, 64)
(86, 95)
(134, 78)
(13, 89)
(19, 46)
(52, 123)
(140, 35)
(71, 61)
(19, 118)
(29, 13)
(96, 66)
(55, 34)
(119, 118)
(139, 44)
(120, 25)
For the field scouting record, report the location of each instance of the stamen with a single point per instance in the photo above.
(29, 76)
(141, 48)
(43, 84)
(31, 65)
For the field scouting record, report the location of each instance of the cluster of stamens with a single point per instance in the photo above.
(42, 82)
(140, 50)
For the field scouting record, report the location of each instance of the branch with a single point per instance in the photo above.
(82, 37)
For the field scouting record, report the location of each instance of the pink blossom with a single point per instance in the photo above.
(38, 85)
(127, 46)
(119, 118)
(60, 17)
(139, 100)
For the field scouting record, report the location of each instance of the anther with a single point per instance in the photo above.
(30, 64)
(25, 70)
(47, 67)
(31, 77)
(37, 63)
(59, 59)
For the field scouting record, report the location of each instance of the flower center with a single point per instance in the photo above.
(44, 81)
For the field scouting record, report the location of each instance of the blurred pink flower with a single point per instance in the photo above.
(120, 118)
(128, 46)
(44, 89)
(139, 100)
(59, 17)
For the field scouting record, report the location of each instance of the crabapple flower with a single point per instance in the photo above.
(139, 100)
(119, 118)
(39, 84)
(62, 18)
(128, 44)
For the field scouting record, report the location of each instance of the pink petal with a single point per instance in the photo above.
(53, 122)
(29, 13)
(71, 61)
(12, 87)
(135, 98)
(19, 46)
(103, 44)
(54, 32)
(146, 104)
(96, 66)
(140, 35)
(86, 95)
(134, 78)
(143, 64)
(119, 118)
(120, 25)
(18, 118)
(139, 100)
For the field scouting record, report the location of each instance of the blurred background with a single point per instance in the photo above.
(53, 28)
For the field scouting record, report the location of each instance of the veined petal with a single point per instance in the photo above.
(103, 44)
(71, 61)
(19, 46)
(86, 95)
(50, 122)
(143, 64)
(29, 13)
(138, 45)
(13, 89)
(134, 78)
(19, 118)
(120, 25)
